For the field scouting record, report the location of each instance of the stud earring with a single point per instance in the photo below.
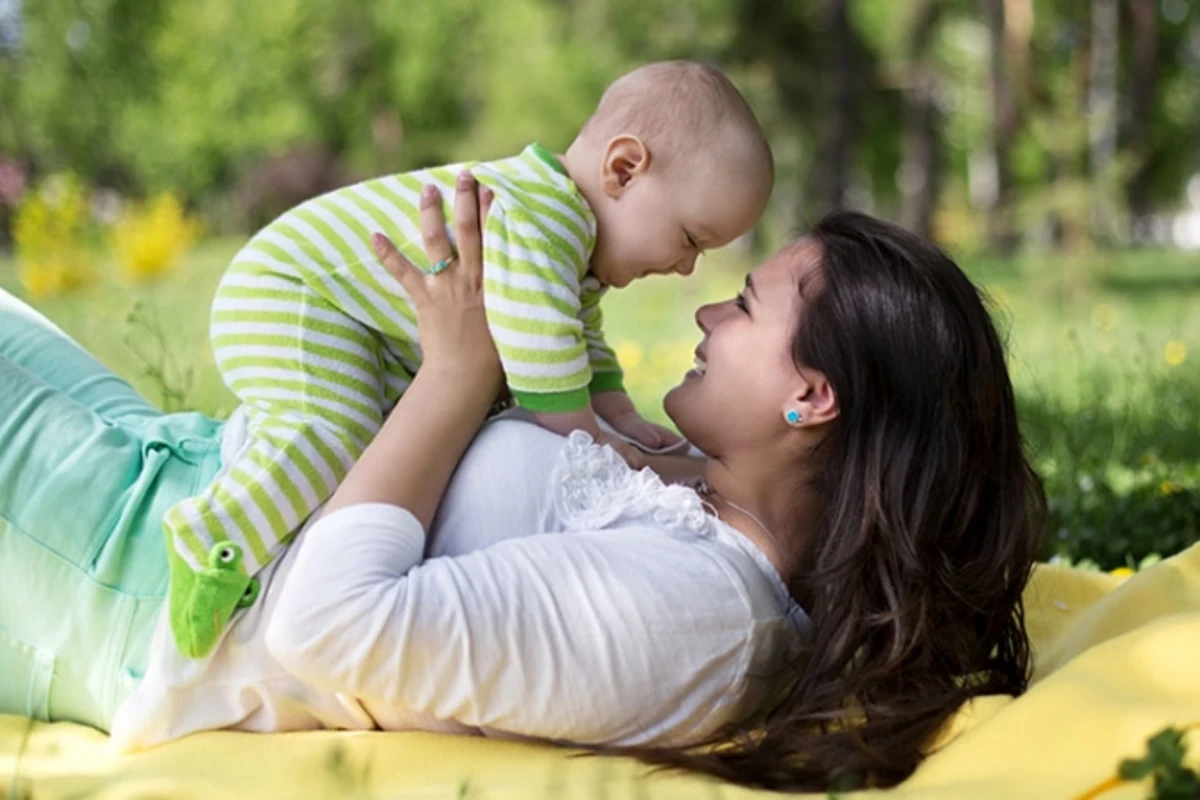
(793, 417)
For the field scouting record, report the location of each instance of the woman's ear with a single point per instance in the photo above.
(813, 402)
(625, 157)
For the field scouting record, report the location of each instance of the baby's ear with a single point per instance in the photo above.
(625, 157)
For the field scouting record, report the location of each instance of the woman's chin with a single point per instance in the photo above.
(675, 400)
(680, 407)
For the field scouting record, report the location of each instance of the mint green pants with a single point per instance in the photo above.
(87, 469)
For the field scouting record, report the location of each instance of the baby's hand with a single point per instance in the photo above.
(635, 458)
(617, 410)
(650, 436)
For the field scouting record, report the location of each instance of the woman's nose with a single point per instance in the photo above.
(706, 316)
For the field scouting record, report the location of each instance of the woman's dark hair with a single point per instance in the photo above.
(930, 522)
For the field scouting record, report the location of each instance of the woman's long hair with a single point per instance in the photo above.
(930, 520)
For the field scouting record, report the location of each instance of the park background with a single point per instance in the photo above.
(1052, 146)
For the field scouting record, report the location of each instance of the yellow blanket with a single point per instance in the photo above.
(1117, 660)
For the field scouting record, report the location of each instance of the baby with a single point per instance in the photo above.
(319, 342)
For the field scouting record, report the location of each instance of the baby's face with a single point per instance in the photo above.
(664, 220)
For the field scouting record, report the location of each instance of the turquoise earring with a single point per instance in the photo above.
(793, 417)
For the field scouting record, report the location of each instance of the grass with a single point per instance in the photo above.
(1095, 345)
(98, 318)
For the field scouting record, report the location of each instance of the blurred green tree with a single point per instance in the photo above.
(957, 116)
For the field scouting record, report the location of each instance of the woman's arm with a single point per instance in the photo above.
(412, 458)
(612, 637)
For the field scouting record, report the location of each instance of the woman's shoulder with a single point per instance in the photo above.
(592, 488)
(519, 480)
(638, 516)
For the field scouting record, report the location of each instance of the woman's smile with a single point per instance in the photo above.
(699, 367)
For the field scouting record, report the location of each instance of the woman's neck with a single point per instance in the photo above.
(773, 508)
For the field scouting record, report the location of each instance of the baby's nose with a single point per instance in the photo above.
(686, 267)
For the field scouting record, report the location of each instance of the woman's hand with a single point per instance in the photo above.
(449, 304)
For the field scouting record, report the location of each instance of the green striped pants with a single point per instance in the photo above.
(315, 382)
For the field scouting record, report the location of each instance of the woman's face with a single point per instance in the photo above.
(745, 379)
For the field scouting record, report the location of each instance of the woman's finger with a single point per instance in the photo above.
(433, 226)
(466, 223)
(394, 262)
(485, 202)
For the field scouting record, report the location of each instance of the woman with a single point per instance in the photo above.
(865, 465)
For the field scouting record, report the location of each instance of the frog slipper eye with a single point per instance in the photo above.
(253, 588)
(225, 556)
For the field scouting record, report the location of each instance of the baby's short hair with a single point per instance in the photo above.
(677, 108)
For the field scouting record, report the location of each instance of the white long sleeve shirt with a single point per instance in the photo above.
(561, 596)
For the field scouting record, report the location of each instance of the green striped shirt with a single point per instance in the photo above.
(543, 307)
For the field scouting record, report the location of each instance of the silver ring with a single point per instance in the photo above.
(440, 266)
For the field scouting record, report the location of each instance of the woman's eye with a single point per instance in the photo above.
(691, 242)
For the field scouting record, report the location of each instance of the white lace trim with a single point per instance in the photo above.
(594, 487)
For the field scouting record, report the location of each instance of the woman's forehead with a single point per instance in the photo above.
(793, 266)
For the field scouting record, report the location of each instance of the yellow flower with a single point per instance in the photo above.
(629, 354)
(1121, 572)
(1175, 353)
(51, 230)
(1104, 317)
(150, 238)
(41, 280)
(1169, 487)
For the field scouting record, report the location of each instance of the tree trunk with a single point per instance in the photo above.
(920, 170)
(1102, 115)
(1144, 14)
(1001, 234)
(834, 155)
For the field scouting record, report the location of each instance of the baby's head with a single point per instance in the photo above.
(672, 162)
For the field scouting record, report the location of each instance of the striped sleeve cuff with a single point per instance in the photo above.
(554, 402)
(607, 381)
